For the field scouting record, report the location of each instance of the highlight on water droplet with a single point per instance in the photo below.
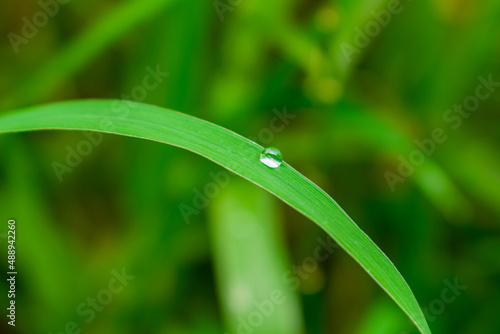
(271, 157)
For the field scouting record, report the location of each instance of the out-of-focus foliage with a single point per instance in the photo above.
(363, 97)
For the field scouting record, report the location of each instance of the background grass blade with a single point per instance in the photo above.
(237, 154)
(83, 49)
(246, 239)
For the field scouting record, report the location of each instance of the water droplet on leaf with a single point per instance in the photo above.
(271, 157)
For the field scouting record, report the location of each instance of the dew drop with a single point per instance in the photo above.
(271, 157)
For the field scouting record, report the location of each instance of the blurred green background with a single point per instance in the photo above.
(139, 237)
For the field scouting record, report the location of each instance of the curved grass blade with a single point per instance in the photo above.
(235, 153)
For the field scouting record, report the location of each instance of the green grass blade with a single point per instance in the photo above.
(246, 239)
(237, 154)
(84, 48)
